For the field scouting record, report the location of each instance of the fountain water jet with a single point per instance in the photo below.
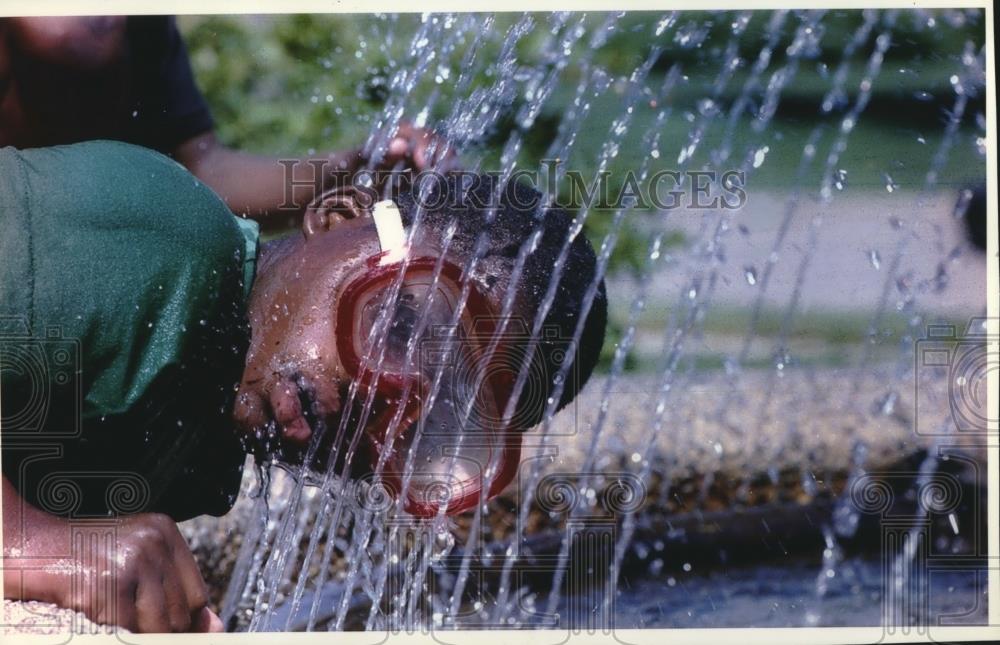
(288, 559)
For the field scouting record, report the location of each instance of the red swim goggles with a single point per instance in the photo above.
(441, 380)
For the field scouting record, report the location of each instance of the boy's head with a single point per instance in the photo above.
(433, 355)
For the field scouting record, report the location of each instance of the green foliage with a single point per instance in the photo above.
(285, 85)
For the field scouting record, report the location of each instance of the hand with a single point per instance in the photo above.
(158, 587)
(148, 583)
(411, 147)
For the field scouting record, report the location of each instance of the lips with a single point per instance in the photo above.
(287, 407)
(297, 403)
(304, 422)
(293, 418)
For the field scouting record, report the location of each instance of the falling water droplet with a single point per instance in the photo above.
(887, 404)
(750, 273)
(875, 259)
(665, 23)
(759, 155)
(840, 179)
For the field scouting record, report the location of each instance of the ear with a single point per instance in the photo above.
(335, 206)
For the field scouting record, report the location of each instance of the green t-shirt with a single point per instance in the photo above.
(123, 283)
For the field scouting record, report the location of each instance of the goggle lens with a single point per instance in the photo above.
(404, 322)
(457, 447)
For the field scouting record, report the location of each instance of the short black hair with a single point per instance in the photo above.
(510, 218)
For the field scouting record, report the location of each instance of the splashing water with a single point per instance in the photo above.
(622, 484)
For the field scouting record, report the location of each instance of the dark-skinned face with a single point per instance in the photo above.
(293, 356)
(297, 377)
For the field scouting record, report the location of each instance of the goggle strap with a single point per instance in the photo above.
(389, 227)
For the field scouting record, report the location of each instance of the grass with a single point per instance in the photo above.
(901, 147)
(815, 338)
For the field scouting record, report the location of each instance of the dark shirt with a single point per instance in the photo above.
(165, 107)
(145, 94)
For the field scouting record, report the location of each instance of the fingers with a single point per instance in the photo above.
(398, 150)
(412, 144)
(188, 576)
(178, 614)
(150, 605)
(207, 621)
(121, 610)
(420, 152)
(171, 593)
(173, 602)
(153, 581)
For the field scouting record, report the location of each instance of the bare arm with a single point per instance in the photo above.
(158, 586)
(271, 190)
(275, 190)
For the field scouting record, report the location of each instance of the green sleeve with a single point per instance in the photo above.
(125, 278)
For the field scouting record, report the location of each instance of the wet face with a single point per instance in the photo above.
(293, 371)
(315, 300)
